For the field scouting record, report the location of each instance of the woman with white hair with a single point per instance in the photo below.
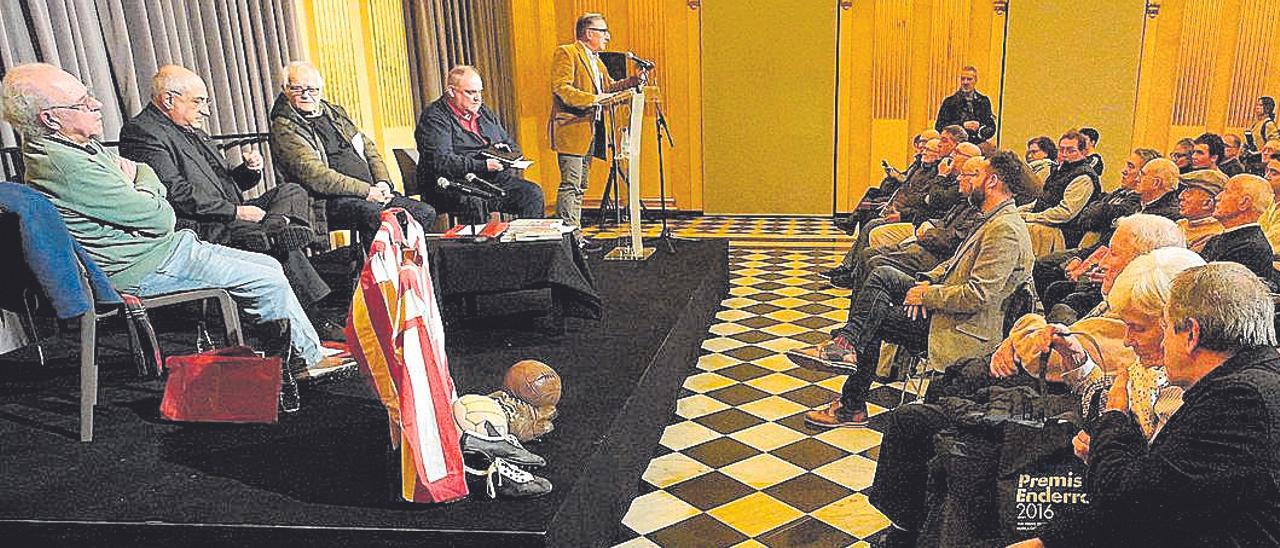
(1138, 297)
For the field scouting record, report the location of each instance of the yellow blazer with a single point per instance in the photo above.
(573, 98)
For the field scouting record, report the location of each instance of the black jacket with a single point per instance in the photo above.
(1211, 477)
(201, 186)
(1165, 206)
(203, 190)
(1247, 246)
(445, 149)
(955, 110)
(1101, 215)
(1231, 167)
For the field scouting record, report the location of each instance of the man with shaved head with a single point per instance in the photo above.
(206, 193)
(1240, 205)
(117, 209)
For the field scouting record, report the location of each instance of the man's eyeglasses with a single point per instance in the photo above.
(601, 31)
(84, 105)
(304, 90)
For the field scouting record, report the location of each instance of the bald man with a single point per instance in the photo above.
(457, 135)
(206, 192)
(116, 209)
(1240, 205)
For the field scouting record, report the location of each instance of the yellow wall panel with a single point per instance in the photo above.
(1096, 88)
(769, 105)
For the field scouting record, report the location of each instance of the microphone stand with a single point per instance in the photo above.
(660, 124)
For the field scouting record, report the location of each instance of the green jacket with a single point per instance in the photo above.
(125, 226)
(300, 157)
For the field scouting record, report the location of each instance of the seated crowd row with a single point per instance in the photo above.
(1160, 329)
(168, 213)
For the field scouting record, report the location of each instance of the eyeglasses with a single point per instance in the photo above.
(84, 105)
(601, 31)
(199, 101)
(304, 90)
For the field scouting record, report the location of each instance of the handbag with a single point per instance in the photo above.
(232, 384)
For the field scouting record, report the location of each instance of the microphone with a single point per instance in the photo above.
(641, 62)
(477, 181)
(446, 184)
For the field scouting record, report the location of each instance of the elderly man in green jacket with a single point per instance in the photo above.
(116, 209)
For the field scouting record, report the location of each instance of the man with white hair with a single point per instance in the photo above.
(316, 145)
(1211, 477)
(457, 135)
(1240, 206)
(117, 210)
(205, 192)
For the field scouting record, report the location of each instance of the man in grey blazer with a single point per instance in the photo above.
(955, 311)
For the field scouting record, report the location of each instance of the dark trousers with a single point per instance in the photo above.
(909, 257)
(876, 315)
(524, 199)
(857, 254)
(901, 481)
(284, 201)
(363, 216)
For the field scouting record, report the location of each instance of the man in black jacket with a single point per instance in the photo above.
(457, 135)
(1211, 476)
(206, 194)
(968, 108)
(1240, 205)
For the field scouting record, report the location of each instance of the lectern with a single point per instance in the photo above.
(626, 159)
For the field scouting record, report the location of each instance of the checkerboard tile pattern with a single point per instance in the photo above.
(737, 466)
(789, 232)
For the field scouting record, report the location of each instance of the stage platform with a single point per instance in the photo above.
(318, 477)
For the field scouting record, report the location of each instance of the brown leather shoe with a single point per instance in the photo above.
(835, 415)
(834, 356)
(329, 368)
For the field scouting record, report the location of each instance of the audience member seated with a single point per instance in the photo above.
(316, 145)
(1231, 149)
(912, 190)
(1207, 152)
(968, 109)
(1090, 281)
(1241, 204)
(899, 488)
(1181, 155)
(875, 199)
(1270, 221)
(1041, 156)
(117, 210)
(1196, 203)
(205, 193)
(1211, 477)
(1090, 149)
(957, 312)
(1070, 187)
(453, 134)
(1256, 163)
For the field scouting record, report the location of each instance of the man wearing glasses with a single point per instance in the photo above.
(579, 82)
(206, 193)
(316, 145)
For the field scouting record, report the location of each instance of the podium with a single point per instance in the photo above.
(626, 159)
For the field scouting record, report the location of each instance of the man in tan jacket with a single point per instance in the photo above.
(956, 312)
(579, 82)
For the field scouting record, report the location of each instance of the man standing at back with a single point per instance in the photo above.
(968, 108)
(579, 82)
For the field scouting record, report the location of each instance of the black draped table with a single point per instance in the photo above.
(465, 269)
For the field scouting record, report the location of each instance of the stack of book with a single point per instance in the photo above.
(525, 230)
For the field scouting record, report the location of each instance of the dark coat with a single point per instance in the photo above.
(446, 149)
(1211, 477)
(203, 190)
(955, 111)
(1100, 216)
(1247, 246)
(1165, 206)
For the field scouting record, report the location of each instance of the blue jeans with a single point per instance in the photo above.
(256, 281)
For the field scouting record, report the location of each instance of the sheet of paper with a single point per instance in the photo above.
(522, 164)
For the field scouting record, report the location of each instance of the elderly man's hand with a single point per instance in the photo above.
(1118, 396)
(1080, 444)
(128, 167)
(253, 160)
(250, 213)
(493, 165)
(1003, 362)
(1066, 345)
(378, 195)
(972, 125)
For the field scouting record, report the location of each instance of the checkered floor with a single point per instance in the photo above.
(737, 466)
(788, 232)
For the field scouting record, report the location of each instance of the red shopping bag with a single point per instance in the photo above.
(232, 384)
